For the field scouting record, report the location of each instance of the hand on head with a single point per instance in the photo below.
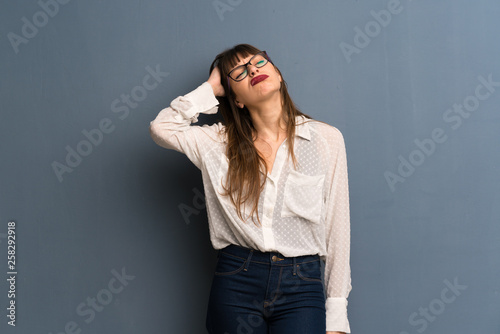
(215, 81)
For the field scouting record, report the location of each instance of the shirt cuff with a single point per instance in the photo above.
(202, 99)
(336, 315)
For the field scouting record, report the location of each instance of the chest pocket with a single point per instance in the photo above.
(303, 196)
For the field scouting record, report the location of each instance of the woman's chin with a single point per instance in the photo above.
(267, 90)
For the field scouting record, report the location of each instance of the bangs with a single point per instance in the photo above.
(232, 57)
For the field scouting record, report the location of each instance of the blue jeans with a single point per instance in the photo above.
(257, 292)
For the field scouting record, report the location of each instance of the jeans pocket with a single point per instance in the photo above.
(309, 271)
(228, 264)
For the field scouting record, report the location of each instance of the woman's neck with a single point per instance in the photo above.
(267, 120)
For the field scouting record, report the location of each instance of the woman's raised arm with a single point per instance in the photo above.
(173, 129)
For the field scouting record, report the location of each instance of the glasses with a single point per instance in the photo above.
(241, 72)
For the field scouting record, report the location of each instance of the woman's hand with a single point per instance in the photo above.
(215, 81)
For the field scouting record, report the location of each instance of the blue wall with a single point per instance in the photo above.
(101, 243)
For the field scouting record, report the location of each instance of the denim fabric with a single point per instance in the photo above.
(257, 292)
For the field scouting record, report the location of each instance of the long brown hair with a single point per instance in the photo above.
(243, 179)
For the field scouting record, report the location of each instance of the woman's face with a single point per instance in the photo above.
(260, 84)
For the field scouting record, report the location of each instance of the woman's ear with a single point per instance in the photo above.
(239, 104)
(279, 74)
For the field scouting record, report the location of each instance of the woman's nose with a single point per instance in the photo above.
(252, 69)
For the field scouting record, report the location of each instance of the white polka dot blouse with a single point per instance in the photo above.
(303, 211)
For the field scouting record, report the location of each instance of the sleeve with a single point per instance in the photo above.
(337, 267)
(172, 127)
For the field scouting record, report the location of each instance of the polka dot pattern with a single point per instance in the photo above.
(303, 211)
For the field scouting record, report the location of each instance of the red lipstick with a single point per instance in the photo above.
(258, 79)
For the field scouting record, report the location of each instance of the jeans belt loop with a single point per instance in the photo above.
(295, 265)
(248, 260)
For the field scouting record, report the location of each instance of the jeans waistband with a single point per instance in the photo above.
(275, 258)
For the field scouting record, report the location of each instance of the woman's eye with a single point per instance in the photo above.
(242, 74)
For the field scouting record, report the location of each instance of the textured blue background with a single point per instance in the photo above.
(119, 207)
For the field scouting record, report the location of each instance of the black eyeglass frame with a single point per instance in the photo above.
(264, 53)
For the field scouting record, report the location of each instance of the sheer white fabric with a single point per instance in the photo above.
(303, 211)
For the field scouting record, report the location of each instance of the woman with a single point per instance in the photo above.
(272, 165)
